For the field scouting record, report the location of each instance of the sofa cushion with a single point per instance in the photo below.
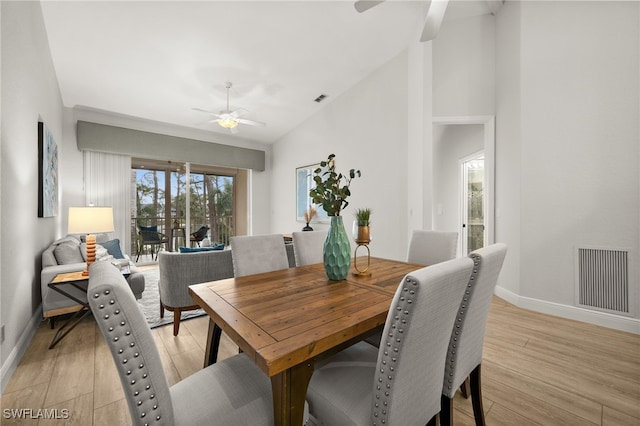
(68, 253)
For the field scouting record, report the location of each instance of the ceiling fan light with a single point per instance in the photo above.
(228, 122)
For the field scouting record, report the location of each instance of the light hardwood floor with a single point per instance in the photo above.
(537, 370)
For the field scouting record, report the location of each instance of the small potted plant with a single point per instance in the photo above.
(362, 233)
(309, 214)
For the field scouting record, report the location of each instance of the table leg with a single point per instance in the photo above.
(213, 344)
(73, 321)
(289, 394)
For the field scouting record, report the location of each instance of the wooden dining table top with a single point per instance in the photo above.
(285, 317)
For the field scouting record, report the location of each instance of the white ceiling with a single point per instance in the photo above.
(157, 60)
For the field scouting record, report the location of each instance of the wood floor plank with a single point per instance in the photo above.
(116, 413)
(539, 390)
(31, 397)
(188, 362)
(611, 417)
(73, 371)
(80, 412)
(616, 393)
(108, 388)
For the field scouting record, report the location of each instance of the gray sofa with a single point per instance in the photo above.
(68, 255)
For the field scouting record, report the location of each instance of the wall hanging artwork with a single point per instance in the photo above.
(47, 173)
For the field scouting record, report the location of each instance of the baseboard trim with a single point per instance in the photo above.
(604, 319)
(13, 360)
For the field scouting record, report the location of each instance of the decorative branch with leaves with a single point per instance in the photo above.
(330, 192)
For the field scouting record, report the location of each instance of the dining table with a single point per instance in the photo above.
(289, 319)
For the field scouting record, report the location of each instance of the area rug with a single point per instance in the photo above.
(150, 302)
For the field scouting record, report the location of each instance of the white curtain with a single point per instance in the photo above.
(107, 180)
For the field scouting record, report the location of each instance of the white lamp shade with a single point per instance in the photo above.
(90, 220)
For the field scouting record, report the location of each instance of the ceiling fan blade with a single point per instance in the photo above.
(432, 24)
(234, 130)
(207, 111)
(251, 122)
(364, 5)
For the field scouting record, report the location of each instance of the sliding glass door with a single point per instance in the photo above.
(161, 198)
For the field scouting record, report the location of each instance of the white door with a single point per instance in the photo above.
(472, 203)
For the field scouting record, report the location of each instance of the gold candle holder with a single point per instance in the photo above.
(362, 239)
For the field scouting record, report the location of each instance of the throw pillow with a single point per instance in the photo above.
(198, 249)
(113, 247)
(68, 253)
(153, 228)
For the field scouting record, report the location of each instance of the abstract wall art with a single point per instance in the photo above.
(47, 173)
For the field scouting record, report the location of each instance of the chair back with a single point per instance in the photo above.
(254, 254)
(200, 233)
(132, 346)
(431, 247)
(308, 246)
(467, 338)
(150, 234)
(180, 270)
(414, 340)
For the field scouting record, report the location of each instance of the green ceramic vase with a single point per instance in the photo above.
(337, 251)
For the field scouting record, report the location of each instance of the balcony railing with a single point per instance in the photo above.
(173, 229)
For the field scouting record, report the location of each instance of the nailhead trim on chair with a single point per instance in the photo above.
(393, 345)
(462, 311)
(128, 359)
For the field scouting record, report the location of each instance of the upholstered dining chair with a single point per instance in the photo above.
(179, 270)
(308, 246)
(231, 392)
(427, 248)
(464, 355)
(401, 382)
(431, 247)
(254, 254)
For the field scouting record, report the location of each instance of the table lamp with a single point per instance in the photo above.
(90, 221)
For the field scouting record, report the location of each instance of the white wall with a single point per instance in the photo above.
(464, 68)
(29, 93)
(580, 138)
(366, 128)
(508, 143)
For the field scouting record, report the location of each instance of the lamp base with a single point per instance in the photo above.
(91, 253)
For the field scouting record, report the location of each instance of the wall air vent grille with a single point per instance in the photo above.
(603, 279)
(320, 98)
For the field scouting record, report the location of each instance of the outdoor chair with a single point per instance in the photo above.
(149, 236)
(199, 235)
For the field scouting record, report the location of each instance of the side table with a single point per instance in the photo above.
(178, 234)
(78, 281)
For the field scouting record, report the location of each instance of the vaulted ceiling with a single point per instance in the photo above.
(157, 60)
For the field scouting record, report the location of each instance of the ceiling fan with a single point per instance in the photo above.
(432, 23)
(231, 119)
(435, 14)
